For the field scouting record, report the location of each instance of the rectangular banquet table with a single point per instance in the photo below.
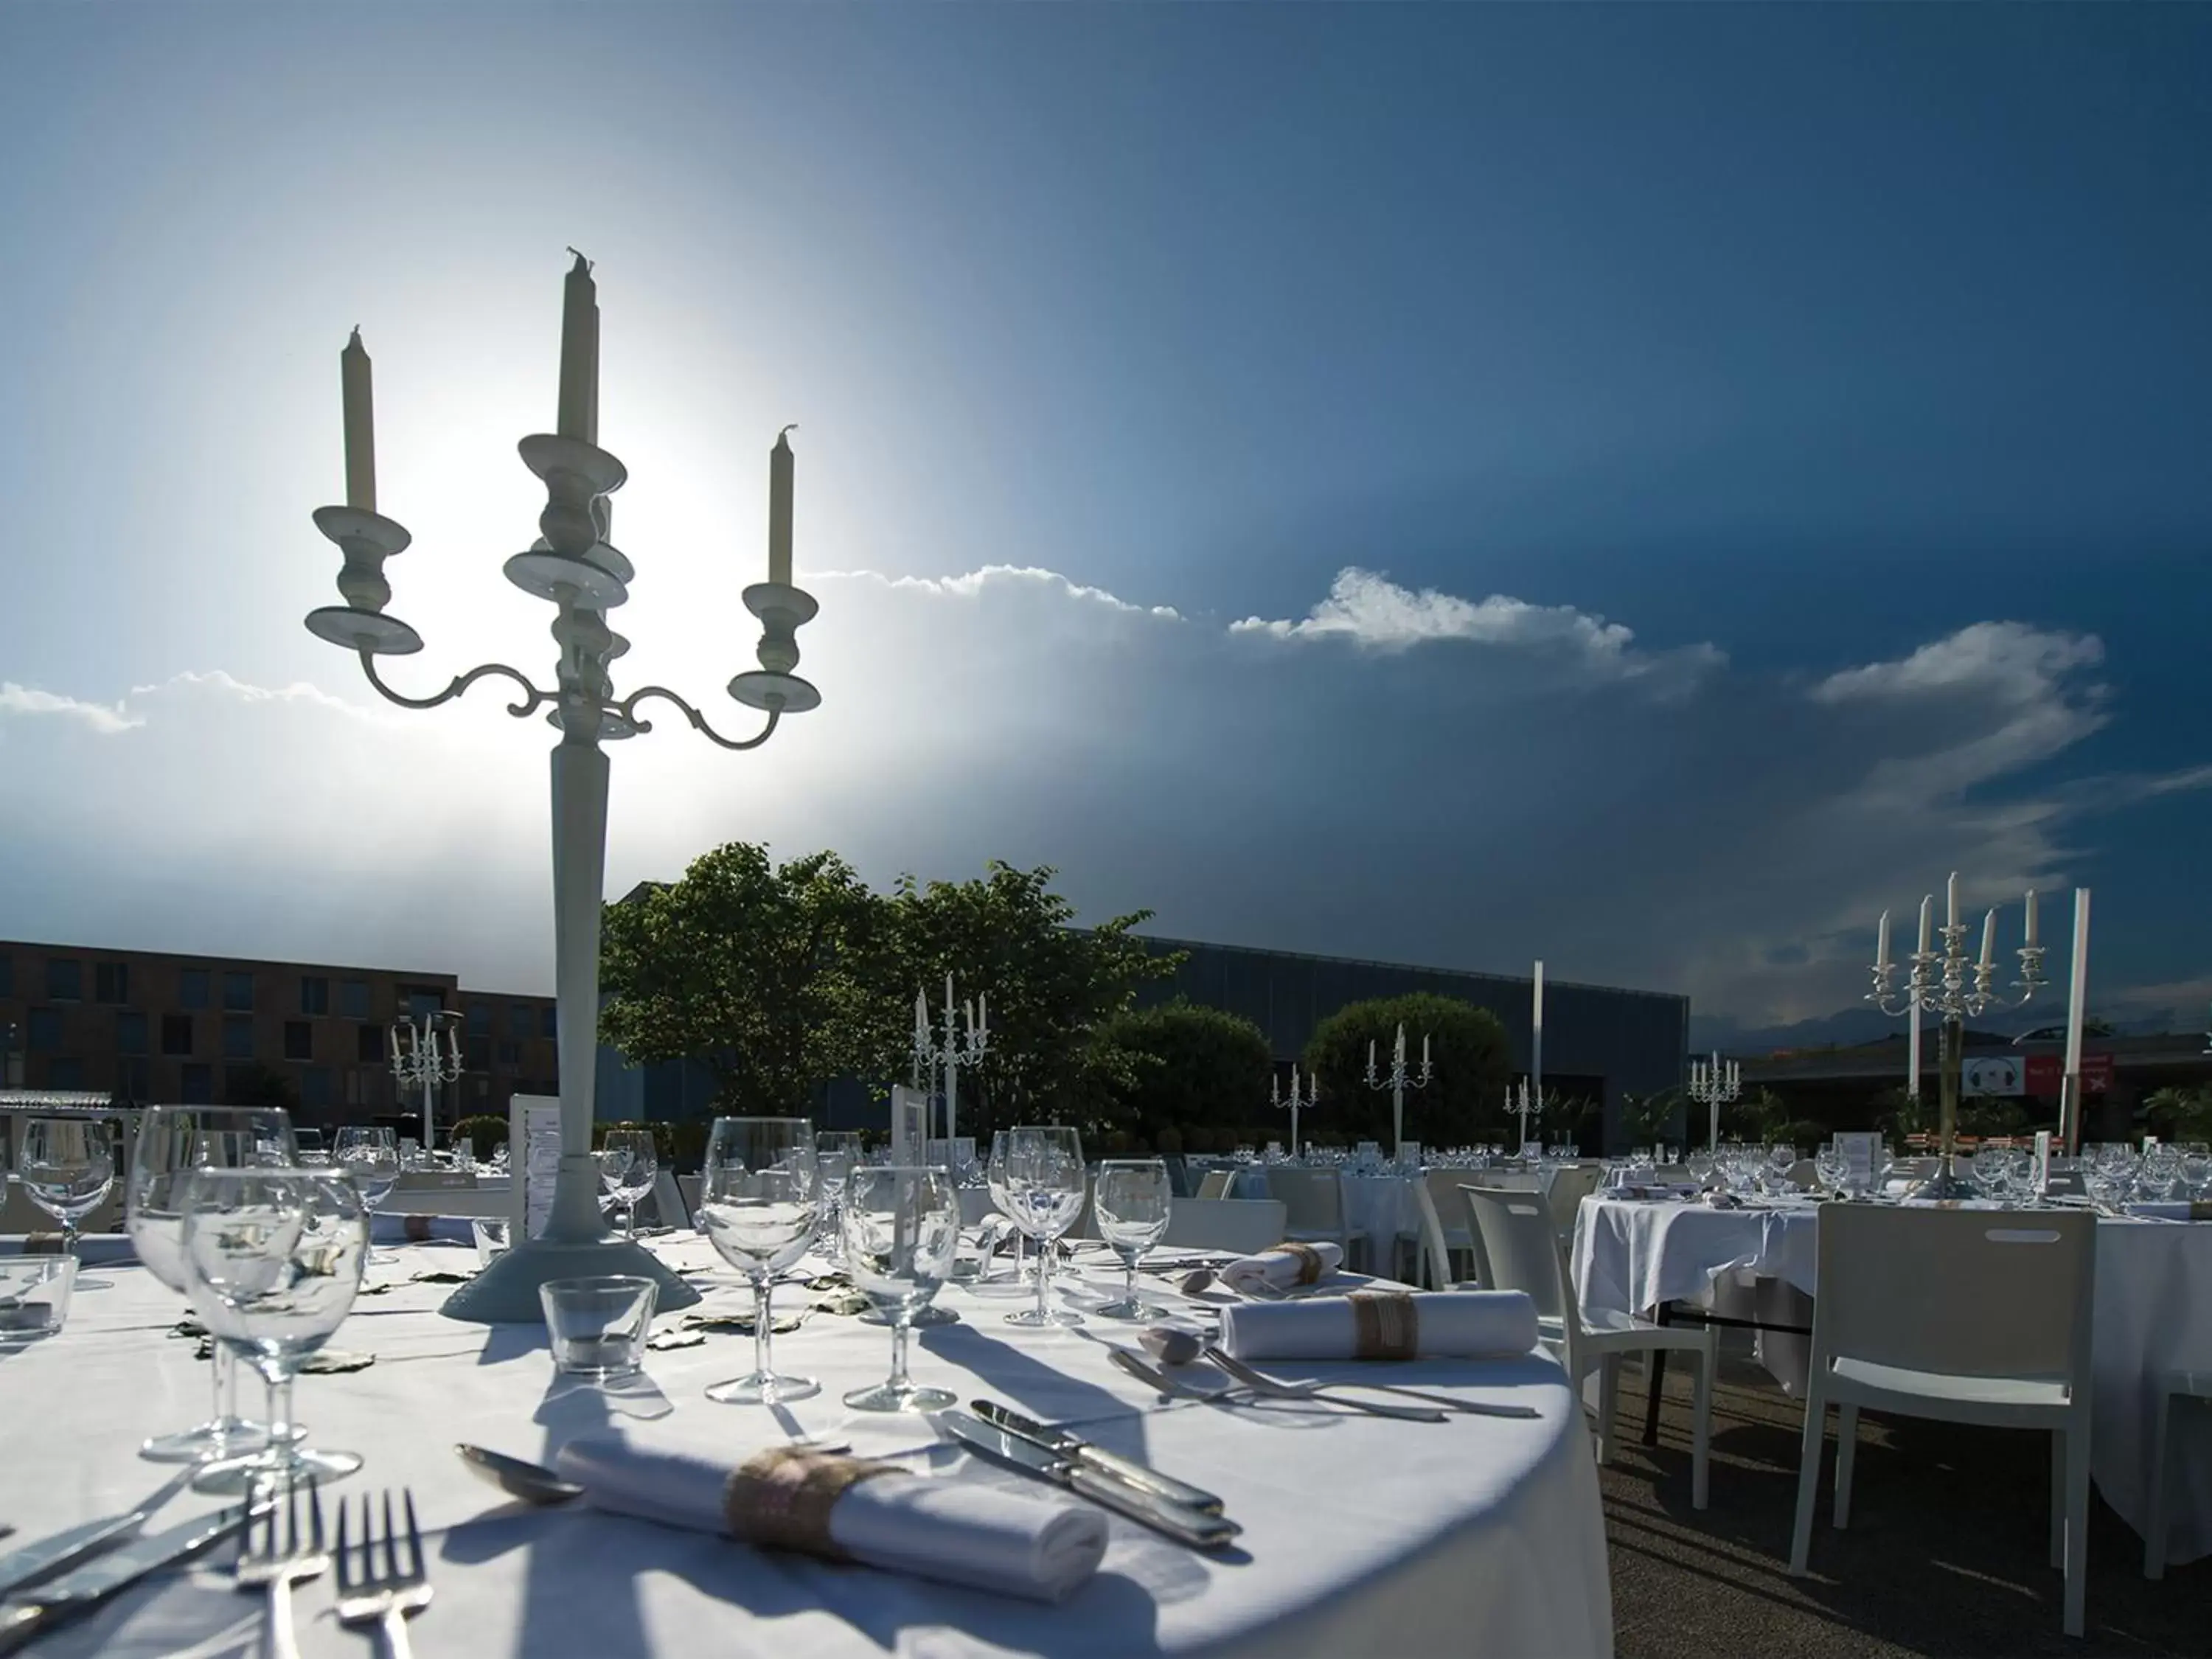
(1477, 1535)
(2153, 1314)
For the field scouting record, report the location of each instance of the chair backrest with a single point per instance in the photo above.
(1314, 1197)
(1569, 1187)
(1521, 1249)
(1435, 1253)
(1214, 1183)
(1441, 1188)
(1246, 1225)
(1178, 1174)
(1963, 1292)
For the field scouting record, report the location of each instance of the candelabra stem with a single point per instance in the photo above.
(1947, 1183)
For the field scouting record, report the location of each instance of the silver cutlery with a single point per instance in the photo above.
(1113, 1465)
(1186, 1526)
(24, 1618)
(385, 1593)
(274, 1558)
(45, 1557)
(1173, 1385)
(1260, 1382)
(533, 1483)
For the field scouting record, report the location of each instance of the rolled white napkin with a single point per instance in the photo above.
(1041, 1548)
(1448, 1324)
(1282, 1268)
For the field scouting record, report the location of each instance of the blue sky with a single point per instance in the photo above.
(1854, 361)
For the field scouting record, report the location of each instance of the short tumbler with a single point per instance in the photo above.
(598, 1325)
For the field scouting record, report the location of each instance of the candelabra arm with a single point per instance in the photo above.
(698, 721)
(462, 683)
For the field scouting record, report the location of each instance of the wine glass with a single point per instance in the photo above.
(68, 1166)
(837, 1155)
(757, 1200)
(368, 1156)
(1699, 1163)
(1832, 1168)
(1044, 1178)
(274, 1258)
(1131, 1202)
(2197, 1168)
(1780, 1160)
(629, 1162)
(901, 1226)
(994, 1178)
(173, 1142)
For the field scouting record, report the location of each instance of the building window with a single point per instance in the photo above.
(46, 1034)
(315, 1088)
(362, 1087)
(479, 1052)
(111, 981)
(510, 1054)
(369, 1047)
(238, 992)
(7, 976)
(198, 1085)
(423, 1001)
(299, 1040)
(314, 994)
(522, 1021)
(353, 998)
(64, 1073)
(130, 1032)
(192, 989)
(240, 1085)
(176, 1034)
(138, 1081)
(480, 1019)
(548, 1025)
(237, 1039)
(64, 979)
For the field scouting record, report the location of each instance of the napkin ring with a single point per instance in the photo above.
(1310, 1265)
(781, 1498)
(1387, 1325)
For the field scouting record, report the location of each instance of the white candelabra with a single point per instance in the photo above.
(1523, 1103)
(1397, 1080)
(933, 1058)
(1714, 1084)
(576, 568)
(1312, 1099)
(420, 1060)
(1938, 982)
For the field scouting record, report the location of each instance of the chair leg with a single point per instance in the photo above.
(2077, 1527)
(1847, 1450)
(1701, 1432)
(2058, 1498)
(2154, 1510)
(1809, 1477)
(1609, 1397)
(1656, 1364)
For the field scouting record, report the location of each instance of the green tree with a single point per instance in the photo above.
(768, 974)
(2182, 1114)
(1465, 1100)
(1647, 1120)
(1192, 1066)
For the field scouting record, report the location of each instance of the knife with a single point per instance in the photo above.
(1077, 1450)
(24, 1618)
(1185, 1526)
(51, 1555)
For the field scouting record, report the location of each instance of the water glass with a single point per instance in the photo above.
(368, 1156)
(173, 1142)
(630, 1162)
(598, 1327)
(1045, 1180)
(757, 1200)
(491, 1234)
(67, 1165)
(995, 1179)
(837, 1155)
(1131, 1202)
(34, 1297)
(1832, 1168)
(273, 1258)
(901, 1226)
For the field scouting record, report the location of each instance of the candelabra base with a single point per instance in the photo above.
(1945, 1186)
(506, 1293)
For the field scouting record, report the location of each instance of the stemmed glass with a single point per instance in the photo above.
(1832, 1168)
(1045, 1180)
(1699, 1163)
(758, 1200)
(273, 1258)
(995, 1179)
(629, 1162)
(173, 1142)
(901, 1226)
(837, 1155)
(368, 1156)
(1131, 1202)
(68, 1166)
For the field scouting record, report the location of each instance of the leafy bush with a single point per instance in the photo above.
(1188, 1066)
(485, 1133)
(1464, 1102)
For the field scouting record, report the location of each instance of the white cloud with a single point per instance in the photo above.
(2008, 661)
(99, 717)
(1005, 578)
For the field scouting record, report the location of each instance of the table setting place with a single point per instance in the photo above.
(1099, 1445)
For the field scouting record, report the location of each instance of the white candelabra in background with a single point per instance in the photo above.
(575, 567)
(1312, 1097)
(1521, 1102)
(419, 1061)
(1938, 982)
(933, 1059)
(1397, 1080)
(1714, 1084)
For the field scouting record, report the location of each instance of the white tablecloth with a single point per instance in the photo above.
(1382, 1205)
(2153, 1314)
(1479, 1535)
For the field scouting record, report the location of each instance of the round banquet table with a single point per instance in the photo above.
(2153, 1316)
(1479, 1535)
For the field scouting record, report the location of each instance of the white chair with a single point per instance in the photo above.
(1214, 1183)
(1965, 1316)
(2172, 1386)
(1315, 1198)
(1564, 1196)
(1245, 1225)
(1524, 1251)
(1438, 1241)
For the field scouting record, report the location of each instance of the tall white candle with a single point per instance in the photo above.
(360, 425)
(779, 510)
(1927, 923)
(2030, 939)
(983, 1011)
(1951, 901)
(1989, 939)
(1275, 1087)
(1398, 1048)
(1425, 1051)
(922, 1018)
(1370, 1054)
(579, 297)
(1881, 942)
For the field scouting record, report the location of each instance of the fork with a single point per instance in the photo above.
(264, 1564)
(388, 1598)
(1260, 1382)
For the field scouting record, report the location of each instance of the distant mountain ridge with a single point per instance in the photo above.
(1848, 1027)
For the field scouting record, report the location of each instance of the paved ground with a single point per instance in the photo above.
(1946, 1551)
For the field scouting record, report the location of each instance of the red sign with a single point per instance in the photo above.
(2047, 1071)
